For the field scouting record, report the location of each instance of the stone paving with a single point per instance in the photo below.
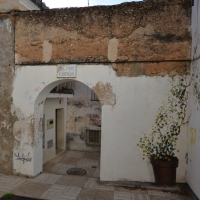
(55, 184)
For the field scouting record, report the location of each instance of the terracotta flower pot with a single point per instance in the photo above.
(165, 172)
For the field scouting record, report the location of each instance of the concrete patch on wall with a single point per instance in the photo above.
(113, 49)
(105, 93)
(47, 51)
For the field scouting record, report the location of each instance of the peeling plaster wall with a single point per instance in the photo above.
(124, 119)
(193, 157)
(6, 80)
(82, 114)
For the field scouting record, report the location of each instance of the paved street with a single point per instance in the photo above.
(55, 184)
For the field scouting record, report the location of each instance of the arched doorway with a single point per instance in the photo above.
(32, 86)
(71, 120)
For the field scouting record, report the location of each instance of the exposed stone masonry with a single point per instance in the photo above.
(131, 32)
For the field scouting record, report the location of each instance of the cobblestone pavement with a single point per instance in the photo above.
(55, 184)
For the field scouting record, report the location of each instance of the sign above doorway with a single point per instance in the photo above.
(66, 71)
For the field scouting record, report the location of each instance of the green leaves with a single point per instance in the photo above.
(160, 144)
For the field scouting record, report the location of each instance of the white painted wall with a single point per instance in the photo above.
(50, 107)
(137, 103)
(138, 100)
(193, 175)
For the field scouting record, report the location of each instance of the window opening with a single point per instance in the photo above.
(94, 96)
(64, 88)
(94, 137)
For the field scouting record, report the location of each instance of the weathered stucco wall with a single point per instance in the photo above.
(193, 166)
(138, 31)
(129, 107)
(6, 80)
(82, 114)
(127, 53)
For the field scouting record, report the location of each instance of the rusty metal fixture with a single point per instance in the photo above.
(165, 172)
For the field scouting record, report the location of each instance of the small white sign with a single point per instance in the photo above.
(66, 71)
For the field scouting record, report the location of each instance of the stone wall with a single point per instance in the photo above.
(6, 81)
(147, 32)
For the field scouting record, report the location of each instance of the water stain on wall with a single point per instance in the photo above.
(7, 119)
(105, 93)
(78, 103)
(193, 136)
(94, 119)
(31, 126)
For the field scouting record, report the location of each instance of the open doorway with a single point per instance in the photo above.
(53, 128)
(30, 109)
(83, 122)
(59, 131)
(77, 129)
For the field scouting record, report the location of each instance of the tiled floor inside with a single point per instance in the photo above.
(55, 184)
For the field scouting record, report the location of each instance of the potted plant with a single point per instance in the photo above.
(160, 145)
